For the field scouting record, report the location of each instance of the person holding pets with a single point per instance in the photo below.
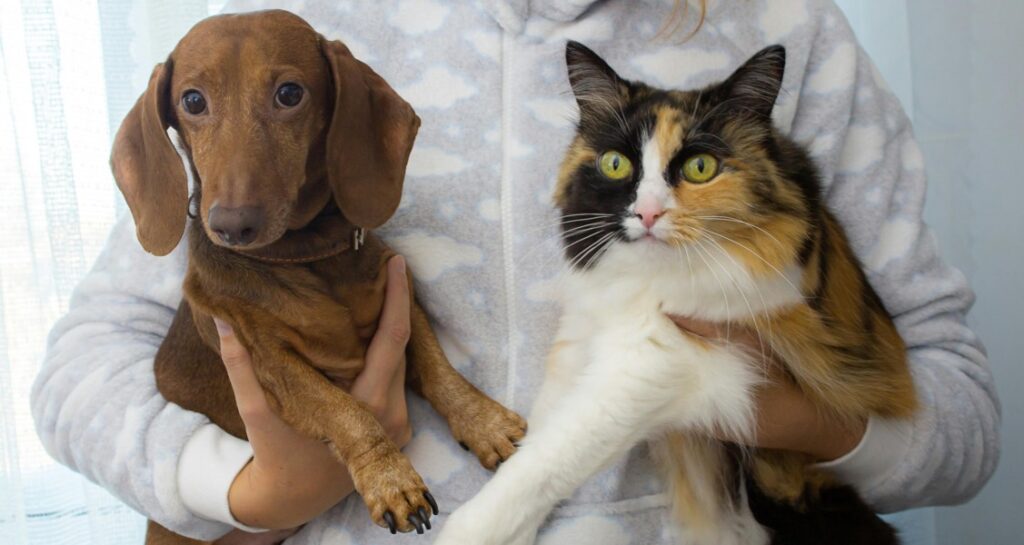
(488, 80)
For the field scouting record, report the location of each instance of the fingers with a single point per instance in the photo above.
(708, 330)
(252, 402)
(387, 349)
(272, 537)
(742, 336)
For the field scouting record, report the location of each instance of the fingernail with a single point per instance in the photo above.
(223, 328)
(400, 263)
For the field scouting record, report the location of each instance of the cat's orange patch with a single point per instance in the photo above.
(668, 131)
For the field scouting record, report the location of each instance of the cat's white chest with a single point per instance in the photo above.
(650, 278)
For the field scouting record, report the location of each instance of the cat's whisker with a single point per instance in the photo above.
(584, 238)
(739, 288)
(607, 246)
(763, 260)
(579, 259)
(747, 223)
(599, 100)
(696, 105)
(568, 219)
(591, 252)
(575, 230)
(597, 229)
(730, 102)
(704, 135)
(573, 222)
(585, 227)
(764, 305)
(725, 296)
(578, 214)
(570, 264)
(689, 263)
(560, 255)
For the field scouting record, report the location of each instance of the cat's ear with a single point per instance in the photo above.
(594, 83)
(755, 86)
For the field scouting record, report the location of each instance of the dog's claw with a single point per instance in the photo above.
(417, 522)
(425, 517)
(390, 519)
(464, 446)
(431, 501)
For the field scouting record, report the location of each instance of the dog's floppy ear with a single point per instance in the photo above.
(371, 134)
(149, 171)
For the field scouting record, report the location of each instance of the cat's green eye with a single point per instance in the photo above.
(614, 165)
(700, 168)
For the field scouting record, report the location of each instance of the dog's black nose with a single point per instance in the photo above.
(236, 226)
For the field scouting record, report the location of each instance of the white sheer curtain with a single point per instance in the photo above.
(69, 70)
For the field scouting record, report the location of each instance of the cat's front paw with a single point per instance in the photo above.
(487, 429)
(469, 526)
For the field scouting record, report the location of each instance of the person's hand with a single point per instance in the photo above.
(272, 537)
(786, 418)
(291, 477)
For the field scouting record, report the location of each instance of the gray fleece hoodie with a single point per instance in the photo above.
(476, 224)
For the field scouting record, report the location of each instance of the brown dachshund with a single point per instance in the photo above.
(296, 149)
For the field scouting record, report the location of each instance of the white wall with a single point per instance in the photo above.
(958, 66)
(968, 73)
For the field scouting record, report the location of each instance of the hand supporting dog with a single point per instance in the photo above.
(293, 478)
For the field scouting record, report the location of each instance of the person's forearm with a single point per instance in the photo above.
(95, 403)
(283, 506)
(788, 420)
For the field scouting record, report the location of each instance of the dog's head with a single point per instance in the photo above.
(274, 120)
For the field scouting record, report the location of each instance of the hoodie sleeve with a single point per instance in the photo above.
(95, 402)
(875, 182)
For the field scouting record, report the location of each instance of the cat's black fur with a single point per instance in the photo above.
(838, 517)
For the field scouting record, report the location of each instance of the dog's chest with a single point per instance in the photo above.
(325, 312)
(335, 319)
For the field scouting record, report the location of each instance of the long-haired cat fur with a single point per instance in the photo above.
(692, 203)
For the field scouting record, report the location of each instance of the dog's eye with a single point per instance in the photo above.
(193, 102)
(289, 95)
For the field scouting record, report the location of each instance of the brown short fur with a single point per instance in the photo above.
(304, 297)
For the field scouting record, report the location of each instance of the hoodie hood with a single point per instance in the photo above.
(513, 14)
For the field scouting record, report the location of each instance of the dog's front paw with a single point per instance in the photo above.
(487, 429)
(393, 491)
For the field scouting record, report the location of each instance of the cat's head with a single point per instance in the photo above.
(655, 169)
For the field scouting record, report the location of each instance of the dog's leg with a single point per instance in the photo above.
(479, 423)
(310, 403)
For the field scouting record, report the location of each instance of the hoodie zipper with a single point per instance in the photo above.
(507, 231)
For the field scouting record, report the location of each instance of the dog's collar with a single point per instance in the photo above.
(326, 236)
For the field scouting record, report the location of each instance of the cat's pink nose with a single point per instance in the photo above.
(649, 214)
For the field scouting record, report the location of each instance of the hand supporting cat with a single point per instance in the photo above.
(786, 418)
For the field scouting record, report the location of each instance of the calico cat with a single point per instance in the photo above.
(692, 203)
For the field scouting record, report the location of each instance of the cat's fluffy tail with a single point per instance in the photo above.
(708, 500)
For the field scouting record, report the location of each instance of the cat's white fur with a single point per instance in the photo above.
(622, 372)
